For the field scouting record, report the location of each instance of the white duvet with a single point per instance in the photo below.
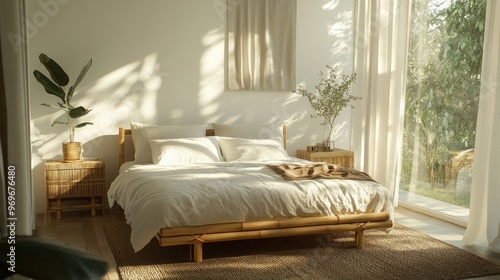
(155, 196)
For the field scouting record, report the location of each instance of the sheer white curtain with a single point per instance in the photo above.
(380, 63)
(13, 51)
(484, 218)
(260, 45)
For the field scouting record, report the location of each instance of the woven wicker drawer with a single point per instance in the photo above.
(68, 180)
(76, 179)
(337, 156)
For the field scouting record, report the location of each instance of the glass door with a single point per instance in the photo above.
(442, 94)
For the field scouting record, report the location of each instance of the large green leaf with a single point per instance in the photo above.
(77, 112)
(79, 79)
(84, 124)
(56, 72)
(71, 90)
(49, 86)
(50, 105)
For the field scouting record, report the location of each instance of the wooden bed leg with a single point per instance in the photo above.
(198, 252)
(360, 238)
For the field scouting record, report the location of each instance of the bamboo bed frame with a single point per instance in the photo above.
(280, 227)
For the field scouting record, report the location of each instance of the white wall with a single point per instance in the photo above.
(162, 62)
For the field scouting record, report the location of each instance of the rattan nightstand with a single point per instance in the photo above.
(75, 180)
(336, 156)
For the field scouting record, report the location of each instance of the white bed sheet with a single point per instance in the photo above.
(154, 196)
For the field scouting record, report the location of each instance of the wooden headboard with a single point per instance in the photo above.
(127, 131)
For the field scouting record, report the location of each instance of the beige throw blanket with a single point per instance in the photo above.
(291, 172)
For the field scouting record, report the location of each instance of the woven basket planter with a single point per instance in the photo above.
(72, 151)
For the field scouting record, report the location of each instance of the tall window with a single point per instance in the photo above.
(442, 94)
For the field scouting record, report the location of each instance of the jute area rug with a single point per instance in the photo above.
(402, 254)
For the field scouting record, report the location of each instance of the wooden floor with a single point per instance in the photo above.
(84, 231)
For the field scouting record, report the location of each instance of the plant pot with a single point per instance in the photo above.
(72, 151)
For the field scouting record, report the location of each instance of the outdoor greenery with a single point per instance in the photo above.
(443, 80)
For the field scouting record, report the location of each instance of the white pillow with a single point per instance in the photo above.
(239, 149)
(250, 131)
(142, 133)
(185, 151)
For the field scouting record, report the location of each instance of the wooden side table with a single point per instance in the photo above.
(75, 180)
(341, 157)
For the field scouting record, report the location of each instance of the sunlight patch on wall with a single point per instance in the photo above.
(211, 73)
(176, 114)
(340, 33)
(216, 105)
(330, 5)
(126, 94)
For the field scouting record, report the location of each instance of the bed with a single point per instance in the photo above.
(234, 192)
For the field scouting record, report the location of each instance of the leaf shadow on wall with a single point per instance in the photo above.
(116, 98)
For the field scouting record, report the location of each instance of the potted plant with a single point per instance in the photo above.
(72, 150)
(332, 95)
